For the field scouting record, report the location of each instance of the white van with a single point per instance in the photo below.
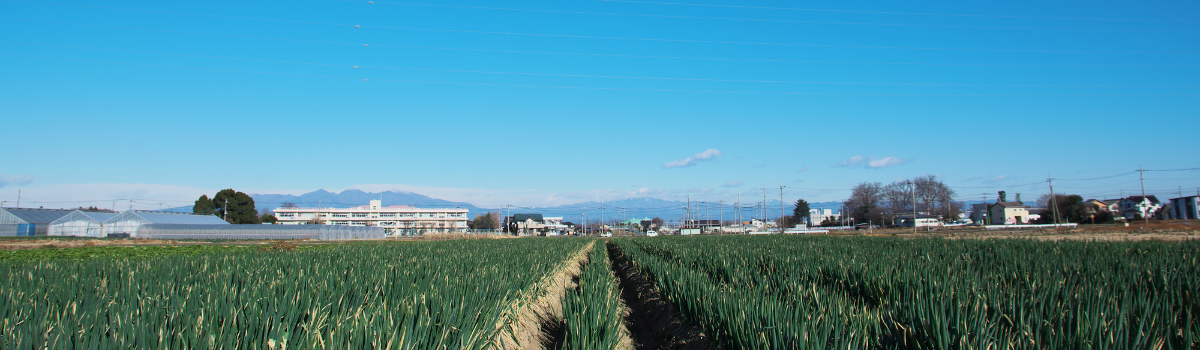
(651, 233)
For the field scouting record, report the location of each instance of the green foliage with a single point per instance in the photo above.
(1002, 196)
(240, 207)
(800, 212)
(427, 295)
(593, 313)
(204, 206)
(268, 219)
(792, 292)
(100, 252)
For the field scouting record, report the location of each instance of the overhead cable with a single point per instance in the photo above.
(607, 76)
(904, 13)
(764, 19)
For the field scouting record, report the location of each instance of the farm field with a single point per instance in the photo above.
(730, 292)
(794, 292)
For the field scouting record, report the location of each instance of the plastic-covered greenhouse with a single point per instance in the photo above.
(321, 232)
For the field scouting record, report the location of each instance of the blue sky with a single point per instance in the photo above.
(546, 103)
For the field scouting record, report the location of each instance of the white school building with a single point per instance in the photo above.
(394, 219)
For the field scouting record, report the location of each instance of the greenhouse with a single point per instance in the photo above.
(266, 232)
(28, 222)
(80, 224)
(131, 221)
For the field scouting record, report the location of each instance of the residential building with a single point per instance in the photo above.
(130, 222)
(394, 219)
(81, 224)
(1139, 206)
(979, 213)
(1092, 206)
(28, 222)
(1008, 213)
(820, 215)
(526, 223)
(1113, 206)
(1185, 208)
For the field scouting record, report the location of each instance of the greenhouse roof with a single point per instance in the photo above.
(159, 217)
(36, 216)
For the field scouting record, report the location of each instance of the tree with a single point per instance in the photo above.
(800, 212)
(658, 222)
(268, 218)
(1002, 196)
(485, 221)
(1070, 208)
(287, 205)
(236, 207)
(204, 206)
(864, 202)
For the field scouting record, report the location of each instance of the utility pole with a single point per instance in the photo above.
(224, 213)
(738, 214)
(601, 214)
(913, 187)
(1146, 210)
(764, 208)
(19, 200)
(781, 208)
(721, 214)
(1053, 200)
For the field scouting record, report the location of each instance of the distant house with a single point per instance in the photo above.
(1113, 206)
(80, 224)
(1092, 206)
(979, 213)
(526, 223)
(1139, 206)
(1185, 208)
(819, 215)
(130, 221)
(28, 222)
(1008, 213)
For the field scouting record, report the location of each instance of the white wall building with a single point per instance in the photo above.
(819, 215)
(394, 219)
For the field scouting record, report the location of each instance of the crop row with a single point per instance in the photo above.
(442, 295)
(593, 312)
(820, 292)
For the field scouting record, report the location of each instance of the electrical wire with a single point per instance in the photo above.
(605, 76)
(901, 13)
(759, 19)
(620, 38)
(607, 88)
(621, 55)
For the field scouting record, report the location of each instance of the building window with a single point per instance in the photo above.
(387, 215)
(339, 215)
(360, 215)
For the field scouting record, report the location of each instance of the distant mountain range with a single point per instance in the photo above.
(639, 208)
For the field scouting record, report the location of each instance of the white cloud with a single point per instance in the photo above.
(15, 180)
(873, 162)
(884, 162)
(805, 168)
(732, 184)
(690, 161)
(852, 161)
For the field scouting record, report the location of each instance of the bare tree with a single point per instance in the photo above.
(865, 202)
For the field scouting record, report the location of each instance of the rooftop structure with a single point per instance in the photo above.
(131, 221)
(81, 223)
(394, 219)
(28, 222)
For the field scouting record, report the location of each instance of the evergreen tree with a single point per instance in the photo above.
(801, 211)
(204, 206)
(239, 209)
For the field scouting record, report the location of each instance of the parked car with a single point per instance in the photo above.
(606, 234)
(865, 226)
(651, 233)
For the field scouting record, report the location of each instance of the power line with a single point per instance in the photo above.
(616, 37)
(607, 76)
(901, 13)
(762, 19)
(620, 55)
(608, 88)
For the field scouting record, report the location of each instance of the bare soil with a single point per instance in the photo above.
(652, 320)
(544, 309)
